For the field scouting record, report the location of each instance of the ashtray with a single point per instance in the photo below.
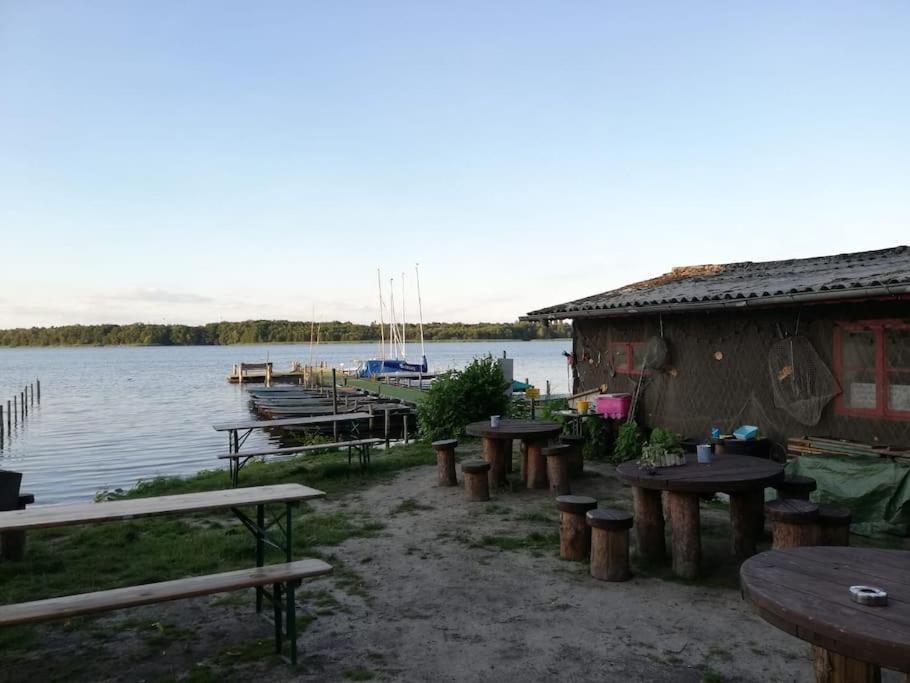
(868, 595)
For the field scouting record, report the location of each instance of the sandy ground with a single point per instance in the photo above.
(437, 601)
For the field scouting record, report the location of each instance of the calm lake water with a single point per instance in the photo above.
(110, 416)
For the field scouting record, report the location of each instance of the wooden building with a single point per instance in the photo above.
(817, 346)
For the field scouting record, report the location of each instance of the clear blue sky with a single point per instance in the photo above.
(196, 161)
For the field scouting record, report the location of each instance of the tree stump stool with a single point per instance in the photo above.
(558, 468)
(796, 487)
(574, 532)
(609, 544)
(795, 522)
(834, 525)
(576, 443)
(476, 484)
(445, 461)
(494, 456)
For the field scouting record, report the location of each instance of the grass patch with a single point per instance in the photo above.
(358, 674)
(538, 516)
(709, 675)
(533, 541)
(409, 505)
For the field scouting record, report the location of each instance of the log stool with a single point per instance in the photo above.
(536, 464)
(574, 532)
(795, 522)
(476, 484)
(576, 443)
(609, 544)
(445, 461)
(558, 468)
(834, 525)
(796, 487)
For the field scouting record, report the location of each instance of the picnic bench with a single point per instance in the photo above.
(361, 446)
(282, 578)
(235, 441)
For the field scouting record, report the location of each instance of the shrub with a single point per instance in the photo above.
(665, 439)
(462, 396)
(628, 442)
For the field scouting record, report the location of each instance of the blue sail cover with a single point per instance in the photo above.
(391, 365)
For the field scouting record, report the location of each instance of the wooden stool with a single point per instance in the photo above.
(476, 484)
(609, 544)
(445, 461)
(796, 487)
(558, 468)
(834, 525)
(795, 522)
(535, 464)
(576, 443)
(494, 455)
(574, 532)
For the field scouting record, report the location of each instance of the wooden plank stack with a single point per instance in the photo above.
(814, 445)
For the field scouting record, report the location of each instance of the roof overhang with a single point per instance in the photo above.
(881, 292)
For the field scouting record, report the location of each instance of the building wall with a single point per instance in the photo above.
(700, 391)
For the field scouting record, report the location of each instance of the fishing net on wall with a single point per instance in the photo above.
(801, 383)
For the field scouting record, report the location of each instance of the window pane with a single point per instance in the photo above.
(897, 363)
(859, 369)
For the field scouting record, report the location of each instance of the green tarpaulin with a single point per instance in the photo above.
(877, 490)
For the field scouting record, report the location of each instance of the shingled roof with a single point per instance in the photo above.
(865, 274)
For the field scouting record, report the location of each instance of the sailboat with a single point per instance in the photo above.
(396, 348)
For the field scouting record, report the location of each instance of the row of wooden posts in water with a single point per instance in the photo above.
(17, 409)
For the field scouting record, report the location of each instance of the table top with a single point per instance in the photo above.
(290, 422)
(804, 591)
(45, 516)
(514, 429)
(726, 473)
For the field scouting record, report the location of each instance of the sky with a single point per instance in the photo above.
(187, 162)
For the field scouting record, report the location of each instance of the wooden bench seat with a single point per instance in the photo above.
(362, 446)
(276, 575)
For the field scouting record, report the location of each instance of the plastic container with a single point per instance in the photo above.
(704, 453)
(582, 407)
(746, 432)
(494, 421)
(615, 406)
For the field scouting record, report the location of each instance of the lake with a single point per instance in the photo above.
(110, 416)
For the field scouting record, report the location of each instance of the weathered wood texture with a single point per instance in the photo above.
(743, 524)
(494, 456)
(103, 601)
(727, 473)
(649, 524)
(574, 532)
(834, 525)
(445, 462)
(685, 533)
(290, 422)
(576, 453)
(609, 544)
(795, 522)
(834, 668)
(805, 592)
(537, 465)
(558, 469)
(111, 511)
(476, 483)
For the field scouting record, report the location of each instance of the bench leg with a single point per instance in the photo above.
(291, 614)
(276, 614)
(260, 550)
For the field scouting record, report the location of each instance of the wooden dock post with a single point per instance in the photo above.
(9, 417)
(334, 403)
(548, 390)
(32, 387)
(38, 384)
(404, 428)
(16, 410)
(1, 426)
(388, 419)
(23, 405)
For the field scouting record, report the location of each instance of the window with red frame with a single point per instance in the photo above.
(628, 357)
(872, 363)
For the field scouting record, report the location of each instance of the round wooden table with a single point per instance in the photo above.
(497, 448)
(805, 592)
(742, 477)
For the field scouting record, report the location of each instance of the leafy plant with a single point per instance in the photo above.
(665, 439)
(628, 442)
(597, 439)
(463, 396)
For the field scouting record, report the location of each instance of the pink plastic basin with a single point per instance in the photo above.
(615, 406)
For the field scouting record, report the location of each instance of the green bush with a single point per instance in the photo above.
(463, 396)
(665, 439)
(628, 442)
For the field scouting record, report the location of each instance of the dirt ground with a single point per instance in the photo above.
(451, 591)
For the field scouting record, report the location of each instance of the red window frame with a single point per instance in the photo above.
(629, 367)
(878, 328)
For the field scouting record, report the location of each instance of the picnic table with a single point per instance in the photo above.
(805, 592)
(290, 495)
(742, 477)
(497, 447)
(235, 441)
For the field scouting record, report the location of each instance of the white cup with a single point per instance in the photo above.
(494, 421)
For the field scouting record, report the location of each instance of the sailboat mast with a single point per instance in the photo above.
(381, 318)
(393, 322)
(404, 323)
(423, 351)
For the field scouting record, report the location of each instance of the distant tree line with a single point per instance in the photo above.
(263, 331)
